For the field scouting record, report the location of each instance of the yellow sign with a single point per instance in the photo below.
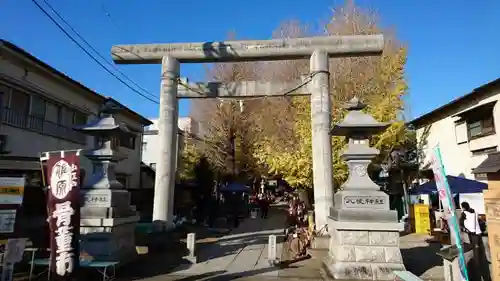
(11, 190)
(422, 218)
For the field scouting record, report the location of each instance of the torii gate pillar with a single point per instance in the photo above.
(318, 49)
(163, 204)
(321, 139)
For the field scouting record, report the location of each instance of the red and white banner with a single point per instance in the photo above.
(63, 207)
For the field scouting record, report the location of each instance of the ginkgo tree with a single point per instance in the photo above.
(377, 81)
(275, 133)
(190, 156)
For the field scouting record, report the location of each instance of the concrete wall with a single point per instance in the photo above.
(20, 74)
(460, 154)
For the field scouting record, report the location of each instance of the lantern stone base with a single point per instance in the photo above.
(364, 250)
(109, 243)
(107, 225)
(321, 242)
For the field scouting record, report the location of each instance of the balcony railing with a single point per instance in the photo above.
(38, 124)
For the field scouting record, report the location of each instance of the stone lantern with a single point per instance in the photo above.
(108, 221)
(364, 241)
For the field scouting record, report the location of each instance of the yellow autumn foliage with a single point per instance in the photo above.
(378, 81)
(274, 134)
(190, 156)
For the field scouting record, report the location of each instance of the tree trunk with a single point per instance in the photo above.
(304, 197)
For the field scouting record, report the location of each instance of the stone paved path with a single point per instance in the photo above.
(242, 255)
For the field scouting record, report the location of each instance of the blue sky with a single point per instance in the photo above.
(453, 45)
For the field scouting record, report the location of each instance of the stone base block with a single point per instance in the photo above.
(358, 215)
(191, 259)
(361, 271)
(320, 242)
(107, 212)
(108, 222)
(109, 243)
(369, 253)
(119, 230)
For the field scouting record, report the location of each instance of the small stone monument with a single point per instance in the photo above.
(364, 241)
(108, 221)
(191, 248)
(272, 250)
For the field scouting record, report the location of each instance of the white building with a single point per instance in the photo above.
(465, 130)
(150, 142)
(40, 105)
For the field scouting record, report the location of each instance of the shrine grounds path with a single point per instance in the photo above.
(240, 255)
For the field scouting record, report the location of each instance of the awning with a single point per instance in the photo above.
(6, 164)
(457, 185)
(489, 165)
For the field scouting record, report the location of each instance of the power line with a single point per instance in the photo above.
(87, 52)
(108, 14)
(93, 49)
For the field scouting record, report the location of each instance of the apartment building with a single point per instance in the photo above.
(465, 130)
(39, 107)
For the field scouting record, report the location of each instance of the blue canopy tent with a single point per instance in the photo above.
(457, 185)
(235, 187)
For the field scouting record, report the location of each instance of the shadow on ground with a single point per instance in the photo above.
(257, 234)
(223, 276)
(170, 258)
(420, 259)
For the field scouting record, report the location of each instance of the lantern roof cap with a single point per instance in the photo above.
(357, 122)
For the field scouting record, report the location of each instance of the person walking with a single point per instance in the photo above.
(469, 222)
(264, 206)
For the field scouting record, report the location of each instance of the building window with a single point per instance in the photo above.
(461, 132)
(79, 118)
(480, 177)
(19, 105)
(482, 127)
(5, 96)
(128, 142)
(67, 118)
(123, 179)
(53, 117)
(37, 113)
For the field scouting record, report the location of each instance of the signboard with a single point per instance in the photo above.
(446, 198)
(11, 191)
(14, 250)
(11, 198)
(364, 201)
(63, 203)
(7, 221)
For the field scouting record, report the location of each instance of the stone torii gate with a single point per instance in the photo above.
(318, 49)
